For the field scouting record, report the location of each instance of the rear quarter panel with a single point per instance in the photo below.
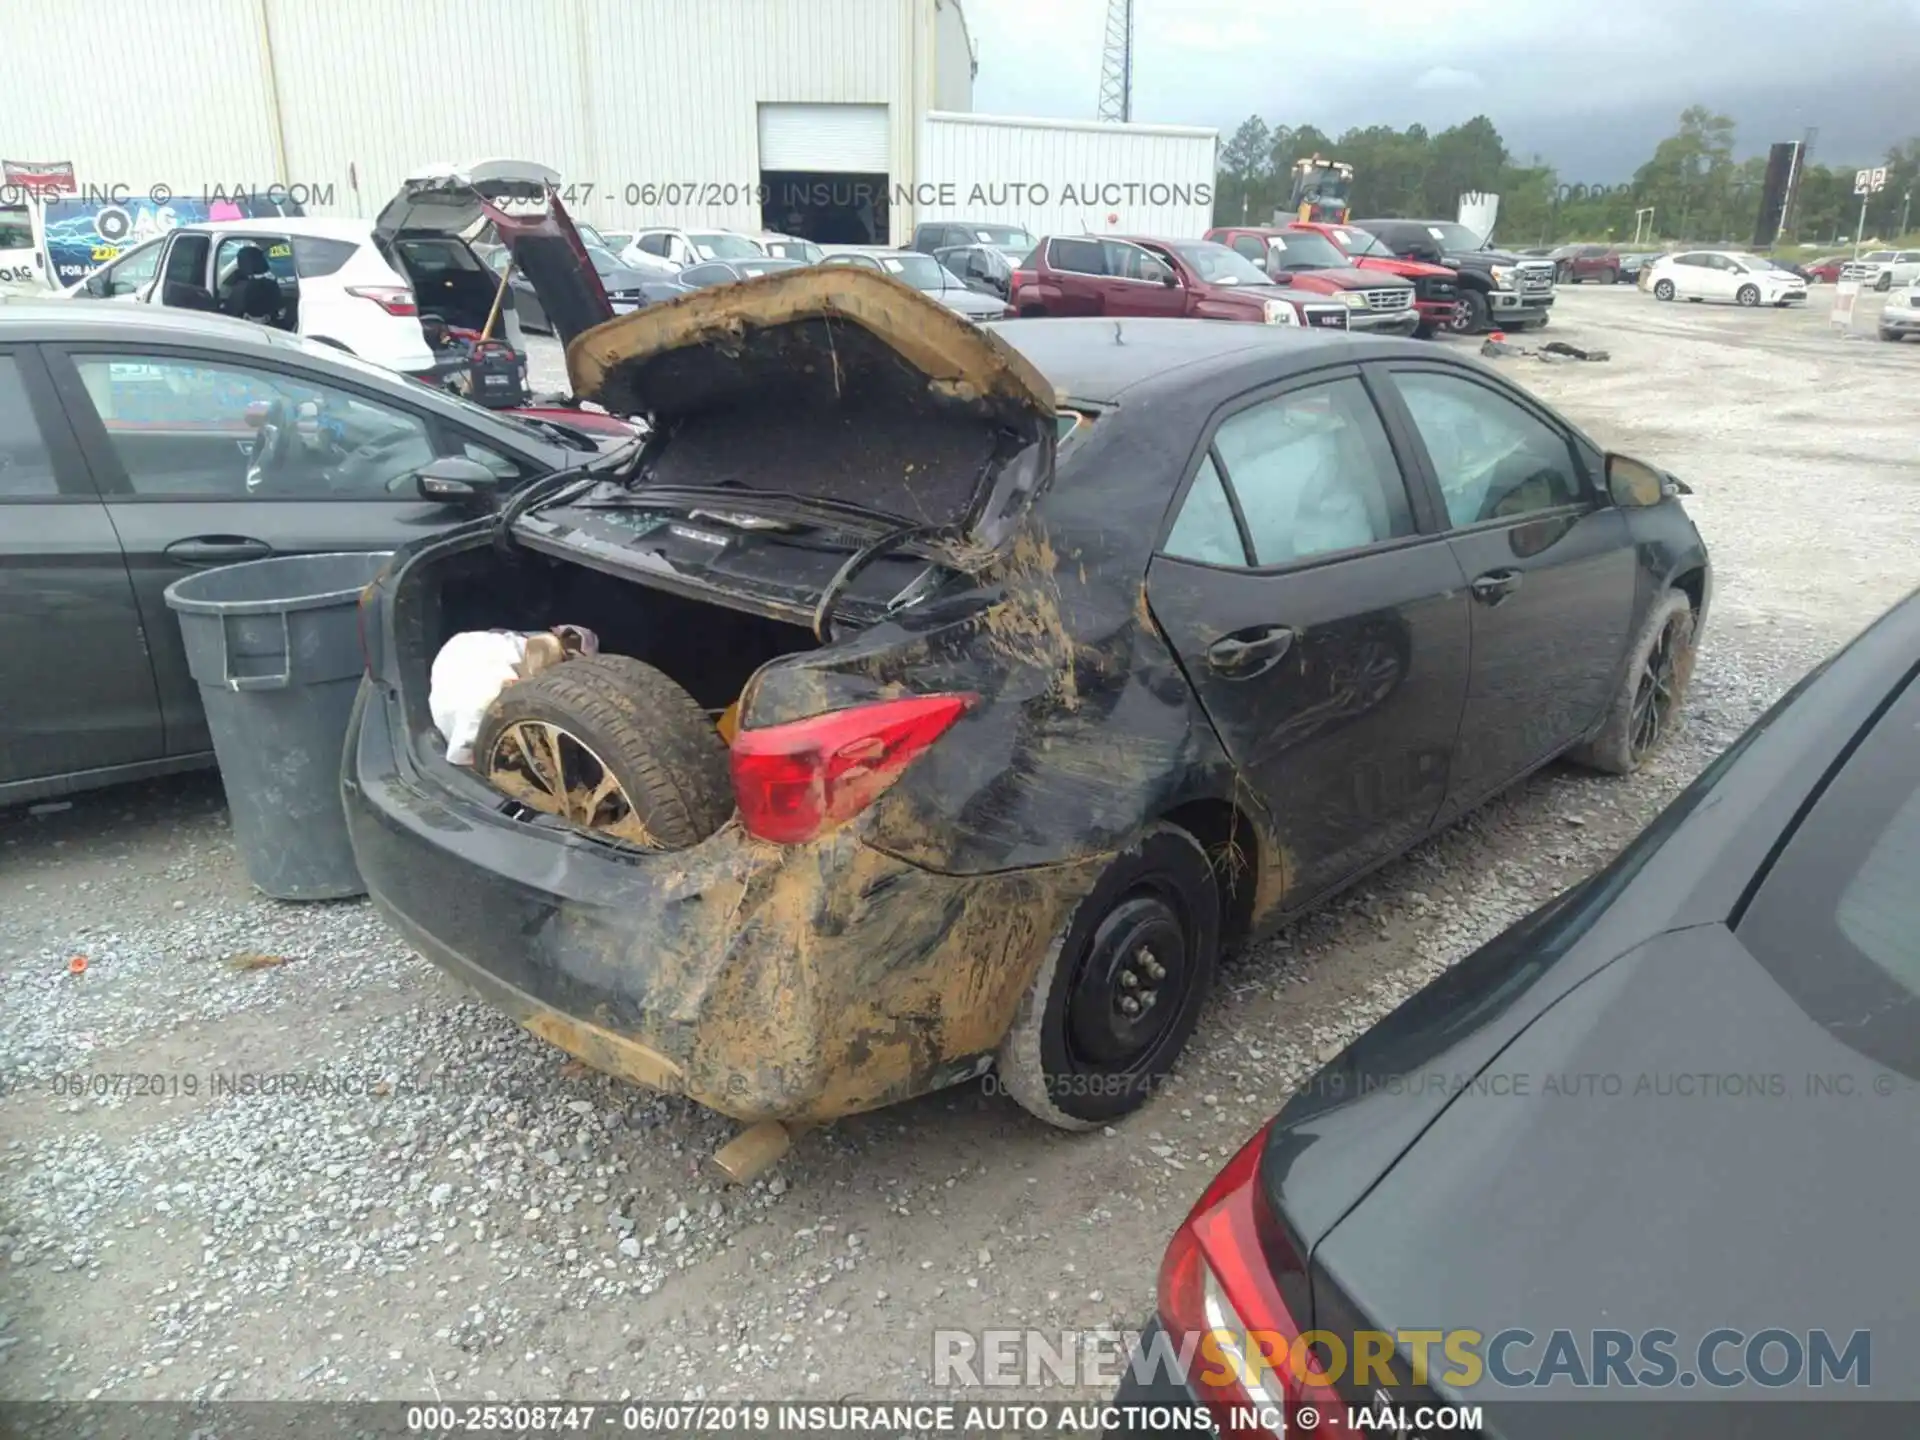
(1086, 728)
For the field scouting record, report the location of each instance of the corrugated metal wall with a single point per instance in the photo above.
(136, 96)
(1060, 177)
(612, 93)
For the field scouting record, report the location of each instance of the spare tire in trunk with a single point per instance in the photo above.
(612, 745)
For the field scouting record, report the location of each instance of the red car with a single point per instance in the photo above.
(1130, 275)
(1436, 289)
(1575, 263)
(1307, 260)
(1826, 271)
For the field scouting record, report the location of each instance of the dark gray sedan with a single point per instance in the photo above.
(137, 447)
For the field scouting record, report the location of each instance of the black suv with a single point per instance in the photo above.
(1015, 242)
(1498, 290)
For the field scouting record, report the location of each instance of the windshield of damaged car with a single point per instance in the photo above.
(1218, 265)
(1305, 250)
(711, 246)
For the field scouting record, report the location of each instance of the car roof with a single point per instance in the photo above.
(30, 320)
(1099, 361)
(319, 227)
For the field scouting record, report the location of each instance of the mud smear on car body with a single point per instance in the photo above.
(888, 957)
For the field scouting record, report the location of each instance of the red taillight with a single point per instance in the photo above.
(794, 781)
(1217, 1286)
(394, 299)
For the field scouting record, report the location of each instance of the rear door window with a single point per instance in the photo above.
(1314, 473)
(1837, 919)
(1078, 257)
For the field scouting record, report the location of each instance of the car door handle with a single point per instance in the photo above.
(1495, 586)
(1248, 653)
(218, 550)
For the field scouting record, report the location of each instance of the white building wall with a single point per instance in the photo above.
(953, 58)
(174, 95)
(1067, 176)
(651, 103)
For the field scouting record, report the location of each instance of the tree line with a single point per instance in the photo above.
(1693, 186)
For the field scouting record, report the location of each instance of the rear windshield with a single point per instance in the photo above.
(1837, 919)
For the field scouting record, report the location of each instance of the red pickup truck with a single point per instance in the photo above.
(1436, 289)
(1132, 275)
(1306, 260)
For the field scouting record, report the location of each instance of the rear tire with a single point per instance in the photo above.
(624, 732)
(1148, 931)
(1663, 290)
(1647, 704)
(1609, 277)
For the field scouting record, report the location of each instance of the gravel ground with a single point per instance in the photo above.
(321, 1170)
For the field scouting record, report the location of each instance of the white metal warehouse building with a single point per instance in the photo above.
(684, 112)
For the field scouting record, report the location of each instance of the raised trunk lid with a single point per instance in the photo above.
(830, 383)
(519, 198)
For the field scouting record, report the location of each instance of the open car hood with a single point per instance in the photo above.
(519, 197)
(829, 382)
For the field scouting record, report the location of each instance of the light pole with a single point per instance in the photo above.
(1906, 211)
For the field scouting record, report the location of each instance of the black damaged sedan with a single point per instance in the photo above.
(963, 691)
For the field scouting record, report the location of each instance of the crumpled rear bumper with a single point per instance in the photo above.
(766, 982)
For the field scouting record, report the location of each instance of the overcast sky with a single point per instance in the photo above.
(1591, 86)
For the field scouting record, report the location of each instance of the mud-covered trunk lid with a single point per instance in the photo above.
(829, 384)
(519, 198)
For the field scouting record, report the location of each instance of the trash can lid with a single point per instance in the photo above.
(279, 584)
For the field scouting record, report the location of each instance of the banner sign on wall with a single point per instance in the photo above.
(47, 177)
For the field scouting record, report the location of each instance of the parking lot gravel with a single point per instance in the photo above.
(258, 1150)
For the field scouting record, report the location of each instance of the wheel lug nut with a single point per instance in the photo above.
(1129, 1005)
(1129, 980)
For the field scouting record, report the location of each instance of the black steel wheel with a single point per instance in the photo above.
(1663, 290)
(1120, 989)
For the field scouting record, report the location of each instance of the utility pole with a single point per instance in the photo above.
(1906, 211)
(1116, 63)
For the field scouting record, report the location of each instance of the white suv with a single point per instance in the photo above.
(332, 281)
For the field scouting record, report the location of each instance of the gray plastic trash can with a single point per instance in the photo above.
(275, 645)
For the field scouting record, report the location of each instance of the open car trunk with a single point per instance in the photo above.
(518, 197)
(709, 650)
(448, 280)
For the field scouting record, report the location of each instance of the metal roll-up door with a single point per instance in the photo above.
(850, 138)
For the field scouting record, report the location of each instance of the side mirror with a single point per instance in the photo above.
(96, 285)
(456, 480)
(1168, 278)
(1279, 276)
(1633, 484)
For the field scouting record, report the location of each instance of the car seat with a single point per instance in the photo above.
(251, 292)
